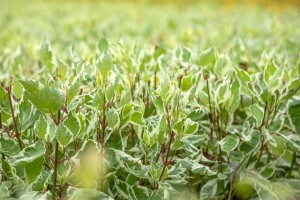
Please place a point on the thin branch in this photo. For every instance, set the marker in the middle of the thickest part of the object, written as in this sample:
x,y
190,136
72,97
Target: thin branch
x,y
167,155
13,117
210,110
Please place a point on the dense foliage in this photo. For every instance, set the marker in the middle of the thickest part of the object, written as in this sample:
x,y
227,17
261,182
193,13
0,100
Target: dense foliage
x,y
128,101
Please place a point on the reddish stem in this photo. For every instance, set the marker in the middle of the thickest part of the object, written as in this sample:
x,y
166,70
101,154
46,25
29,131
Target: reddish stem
x,y
13,117
166,163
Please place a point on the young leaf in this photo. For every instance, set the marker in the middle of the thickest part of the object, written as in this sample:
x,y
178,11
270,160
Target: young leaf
x,y
186,83
222,65
40,127
73,124
257,112
164,87
136,118
63,135
110,91
99,99
46,55
73,90
190,126
163,125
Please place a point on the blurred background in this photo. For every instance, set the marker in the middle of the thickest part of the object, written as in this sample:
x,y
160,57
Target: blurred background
x,y
254,25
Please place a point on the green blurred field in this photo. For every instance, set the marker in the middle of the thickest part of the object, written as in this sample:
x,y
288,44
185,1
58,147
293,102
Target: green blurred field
x,y
196,25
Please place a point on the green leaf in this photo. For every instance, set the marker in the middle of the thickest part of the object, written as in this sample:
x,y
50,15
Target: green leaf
x,y
136,118
17,89
105,66
267,171
7,169
51,99
294,110
222,65
187,83
269,71
164,87
127,110
262,186
149,138
125,99
280,148
73,124
163,125
223,93
31,86
63,135
47,100
186,55
293,141
229,143
99,100
242,75
122,188
131,164
164,175
40,127
178,127
269,138
140,192
157,101
234,98
257,112
190,126
31,195
209,190
159,50
251,144
178,144
4,105
102,45
46,55
41,181
26,116
244,189
154,171
113,119
29,154
9,147
73,90
4,189
110,91
33,169
196,114
62,70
